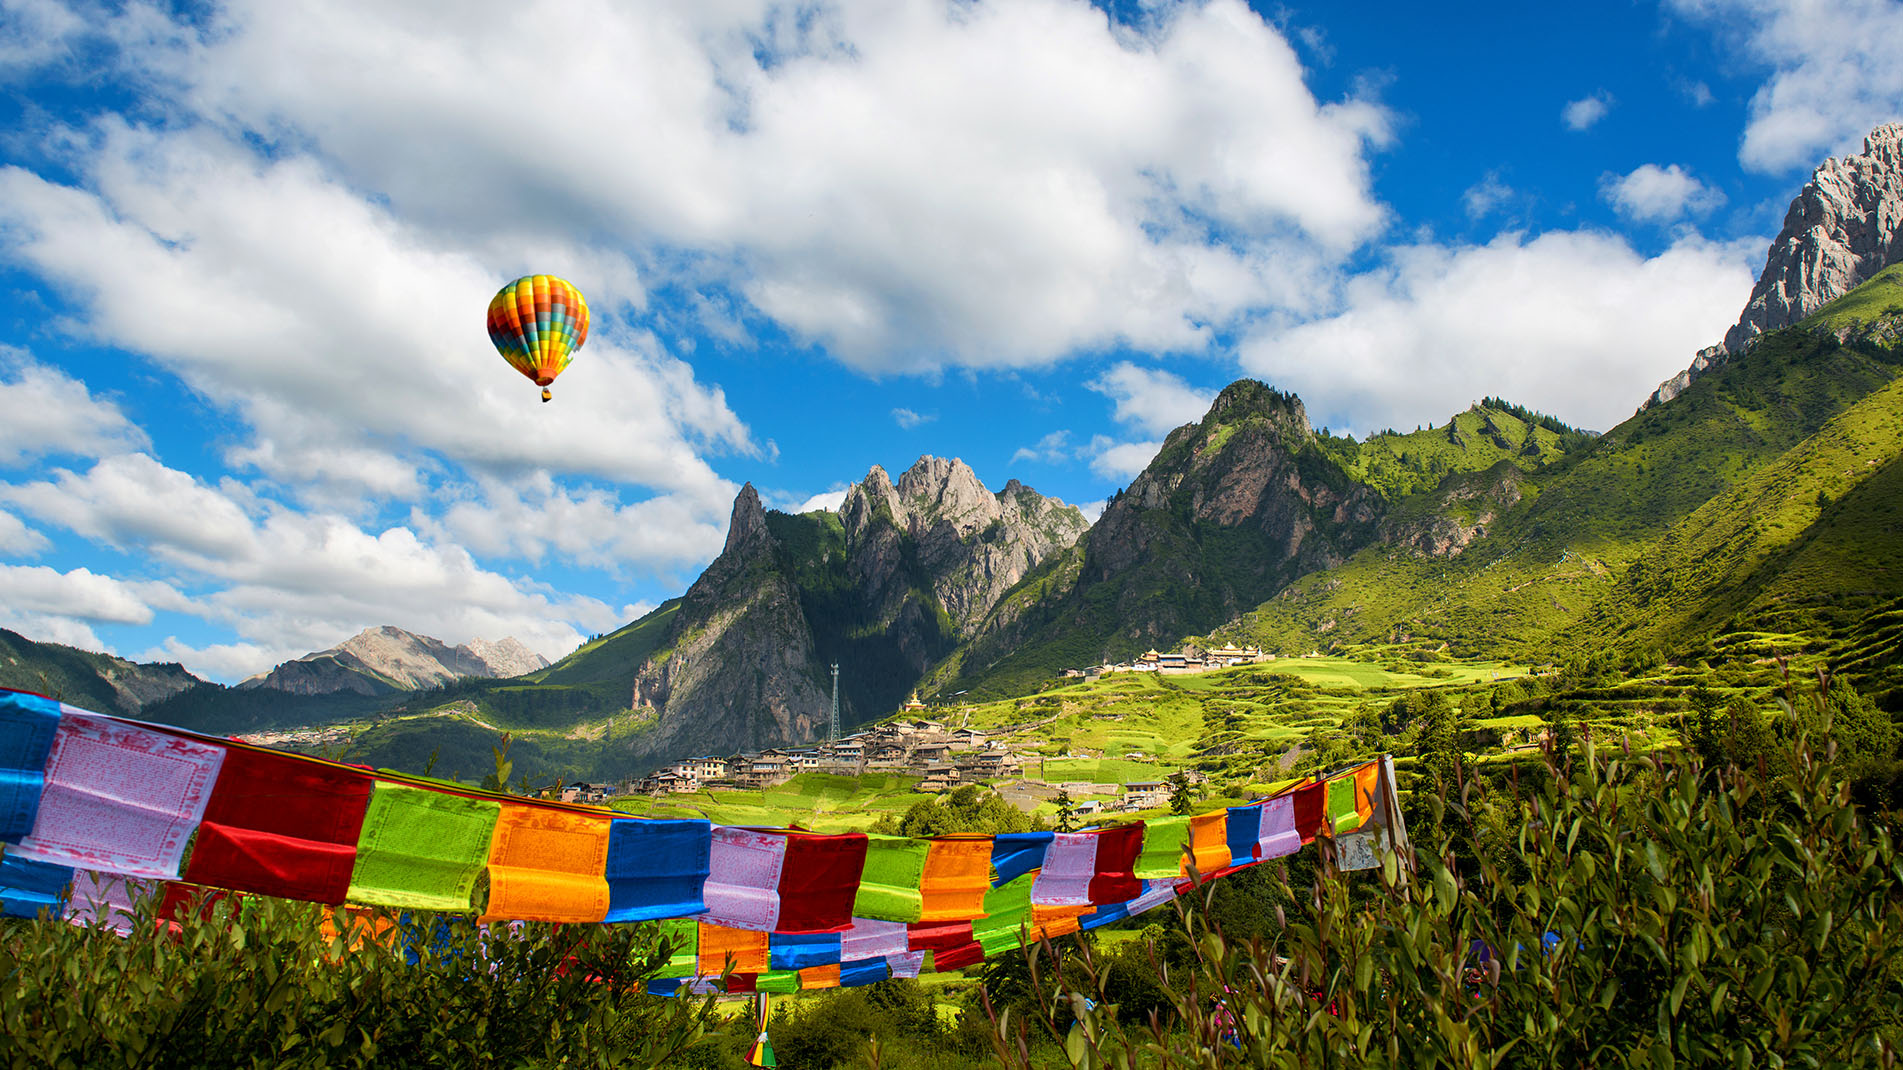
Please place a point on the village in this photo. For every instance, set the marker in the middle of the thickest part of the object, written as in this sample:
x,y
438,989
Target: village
x,y
942,757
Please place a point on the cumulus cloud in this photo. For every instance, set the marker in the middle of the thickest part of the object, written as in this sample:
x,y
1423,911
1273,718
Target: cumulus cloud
x,y
910,184
908,419
1151,401
1120,460
18,540
83,595
829,500
347,339
1583,113
49,413
280,578
1053,448
1654,194
1485,197
534,517
1576,323
1836,72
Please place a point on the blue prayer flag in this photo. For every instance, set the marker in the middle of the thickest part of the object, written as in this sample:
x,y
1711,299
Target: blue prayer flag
x,y
862,972
28,887
1013,854
27,724
657,869
799,951
1245,828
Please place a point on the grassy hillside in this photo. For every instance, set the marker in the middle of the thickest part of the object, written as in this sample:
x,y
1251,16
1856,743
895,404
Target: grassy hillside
x,y
85,679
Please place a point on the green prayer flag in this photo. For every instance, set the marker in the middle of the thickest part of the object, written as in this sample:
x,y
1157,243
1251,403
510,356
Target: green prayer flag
x,y
685,934
1163,841
778,981
1007,914
421,849
1342,815
889,885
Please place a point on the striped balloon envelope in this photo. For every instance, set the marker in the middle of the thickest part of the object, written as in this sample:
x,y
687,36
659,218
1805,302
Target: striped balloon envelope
x,y
537,323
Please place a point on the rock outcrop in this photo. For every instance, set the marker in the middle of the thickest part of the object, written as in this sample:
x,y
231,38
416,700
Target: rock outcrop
x,y
886,586
1845,225
387,659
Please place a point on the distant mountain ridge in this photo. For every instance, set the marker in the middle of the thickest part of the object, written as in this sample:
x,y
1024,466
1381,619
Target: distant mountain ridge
x,y
387,659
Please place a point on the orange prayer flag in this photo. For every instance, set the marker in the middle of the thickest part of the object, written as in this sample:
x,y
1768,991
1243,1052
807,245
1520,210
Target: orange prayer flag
x,y
1367,789
820,976
957,876
748,948
548,864
1208,842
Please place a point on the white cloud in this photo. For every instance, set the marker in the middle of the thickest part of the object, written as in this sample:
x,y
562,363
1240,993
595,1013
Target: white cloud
x,y
1053,448
533,517
1697,92
52,628
83,595
281,579
1584,112
34,33
19,540
220,661
1484,197
906,182
1836,73
352,343
1093,510
1576,323
1654,194
828,500
1120,460
908,419
49,413
1154,402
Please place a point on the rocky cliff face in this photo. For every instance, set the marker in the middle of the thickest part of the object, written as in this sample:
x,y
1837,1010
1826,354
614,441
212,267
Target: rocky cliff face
x,y
382,660
1231,510
885,587
1845,225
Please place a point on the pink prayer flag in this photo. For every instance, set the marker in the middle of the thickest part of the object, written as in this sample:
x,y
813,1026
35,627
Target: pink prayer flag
x,y
1069,864
120,798
869,939
743,879
906,965
1155,894
106,900
1278,836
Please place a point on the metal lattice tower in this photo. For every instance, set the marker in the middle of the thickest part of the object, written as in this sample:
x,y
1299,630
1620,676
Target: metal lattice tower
x,y
834,735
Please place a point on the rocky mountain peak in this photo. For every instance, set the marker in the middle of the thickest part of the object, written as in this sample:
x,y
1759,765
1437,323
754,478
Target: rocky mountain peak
x,y
938,490
747,527
387,658
1843,227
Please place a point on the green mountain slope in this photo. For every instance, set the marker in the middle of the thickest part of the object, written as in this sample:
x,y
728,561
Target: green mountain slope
x,y
91,681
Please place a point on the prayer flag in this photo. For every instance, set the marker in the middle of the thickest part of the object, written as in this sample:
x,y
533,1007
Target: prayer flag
x,y
889,886
1007,915
748,948
791,951
761,1054
119,798
657,869
1115,880
969,953
869,938
1055,921
29,888
106,900
420,848
907,964
548,864
1367,789
1342,816
819,880
776,981
1154,895
826,976
957,875
28,723
1104,915
1278,837
1014,854
743,879
1310,801
280,825
1244,829
863,972
683,936
935,935
1070,864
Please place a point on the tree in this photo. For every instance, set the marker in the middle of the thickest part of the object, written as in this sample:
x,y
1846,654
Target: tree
x,y
1066,813
1182,797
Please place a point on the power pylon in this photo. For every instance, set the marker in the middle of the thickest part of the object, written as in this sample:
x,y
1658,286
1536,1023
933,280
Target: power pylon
x,y
834,734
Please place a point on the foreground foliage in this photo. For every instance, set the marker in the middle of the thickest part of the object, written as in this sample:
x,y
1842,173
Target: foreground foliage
x,y
1649,911
268,988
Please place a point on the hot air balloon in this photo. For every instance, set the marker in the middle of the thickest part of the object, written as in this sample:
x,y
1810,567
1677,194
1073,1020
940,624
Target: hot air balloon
x,y
537,322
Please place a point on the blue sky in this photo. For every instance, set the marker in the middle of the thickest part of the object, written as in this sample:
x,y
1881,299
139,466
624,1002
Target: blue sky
x,y
246,248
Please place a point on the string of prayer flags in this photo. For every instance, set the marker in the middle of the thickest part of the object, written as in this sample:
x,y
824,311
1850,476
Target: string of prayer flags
x,y
118,797
1013,854
957,875
29,889
27,725
421,849
548,864
280,825
657,868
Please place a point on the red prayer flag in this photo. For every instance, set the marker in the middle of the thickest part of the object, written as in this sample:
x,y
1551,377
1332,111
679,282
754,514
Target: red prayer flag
x,y
818,882
280,825
1311,805
937,936
969,953
1117,851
